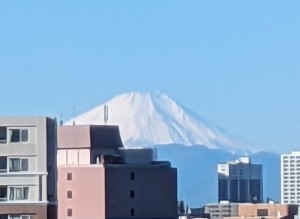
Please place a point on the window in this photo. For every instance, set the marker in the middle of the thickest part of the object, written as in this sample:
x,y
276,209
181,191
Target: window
x,y
69,212
262,212
18,135
132,212
132,175
3,135
18,193
131,194
18,164
19,216
69,194
69,176
3,193
3,164
24,135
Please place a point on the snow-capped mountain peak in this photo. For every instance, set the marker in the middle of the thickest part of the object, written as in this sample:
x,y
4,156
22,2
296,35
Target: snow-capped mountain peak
x,y
148,119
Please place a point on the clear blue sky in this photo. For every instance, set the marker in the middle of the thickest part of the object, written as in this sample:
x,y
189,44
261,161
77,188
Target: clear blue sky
x,y
236,63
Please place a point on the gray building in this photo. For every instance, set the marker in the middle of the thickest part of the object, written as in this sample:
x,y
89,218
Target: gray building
x,y
222,209
27,168
240,181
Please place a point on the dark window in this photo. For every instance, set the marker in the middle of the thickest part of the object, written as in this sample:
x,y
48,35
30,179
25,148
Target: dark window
x,y
18,135
3,216
3,164
69,194
132,212
262,212
3,135
3,193
131,194
69,176
132,175
69,212
15,135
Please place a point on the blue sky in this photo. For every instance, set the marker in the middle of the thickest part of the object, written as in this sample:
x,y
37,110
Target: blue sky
x,y
235,63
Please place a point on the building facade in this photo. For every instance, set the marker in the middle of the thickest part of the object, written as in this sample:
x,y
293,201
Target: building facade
x,y
240,181
290,178
221,210
98,178
227,210
27,168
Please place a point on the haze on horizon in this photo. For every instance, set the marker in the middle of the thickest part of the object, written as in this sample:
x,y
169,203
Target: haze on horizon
x,y
234,63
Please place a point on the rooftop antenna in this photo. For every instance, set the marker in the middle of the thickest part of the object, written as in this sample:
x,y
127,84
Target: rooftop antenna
x,y
61,121
73,114
105,113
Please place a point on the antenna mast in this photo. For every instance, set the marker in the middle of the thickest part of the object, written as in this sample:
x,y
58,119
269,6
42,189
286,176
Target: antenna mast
x,y
73,114
105,114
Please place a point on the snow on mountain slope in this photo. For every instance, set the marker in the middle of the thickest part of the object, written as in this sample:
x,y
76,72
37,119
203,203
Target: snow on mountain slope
x,y
148,119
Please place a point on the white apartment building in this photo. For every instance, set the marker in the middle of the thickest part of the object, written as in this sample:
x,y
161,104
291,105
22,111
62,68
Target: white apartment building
x,y
290,178
27,167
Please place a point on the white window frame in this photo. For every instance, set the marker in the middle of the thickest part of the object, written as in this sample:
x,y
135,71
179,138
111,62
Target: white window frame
x,y
20,164
9,135
19,216
15,193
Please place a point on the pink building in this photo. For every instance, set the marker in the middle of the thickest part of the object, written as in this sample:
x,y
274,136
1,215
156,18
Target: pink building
x,y
99,179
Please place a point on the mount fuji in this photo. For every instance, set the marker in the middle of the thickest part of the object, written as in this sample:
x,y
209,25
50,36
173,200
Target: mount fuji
x,y
147,119
193,144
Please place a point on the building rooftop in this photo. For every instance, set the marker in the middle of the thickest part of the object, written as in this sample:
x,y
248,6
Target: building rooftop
x,y
89,136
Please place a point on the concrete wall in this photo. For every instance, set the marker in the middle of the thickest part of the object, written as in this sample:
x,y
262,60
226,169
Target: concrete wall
x,y
77,136
88,193
154,188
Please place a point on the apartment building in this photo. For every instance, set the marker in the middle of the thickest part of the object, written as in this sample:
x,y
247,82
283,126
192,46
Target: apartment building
x,y
240,181
98,178
290,178
27,168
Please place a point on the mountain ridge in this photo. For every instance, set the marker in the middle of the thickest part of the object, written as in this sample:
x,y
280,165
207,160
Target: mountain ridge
x,y
147,119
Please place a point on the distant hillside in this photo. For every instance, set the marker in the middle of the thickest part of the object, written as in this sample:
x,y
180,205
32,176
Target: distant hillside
x,y
193,144
197,170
